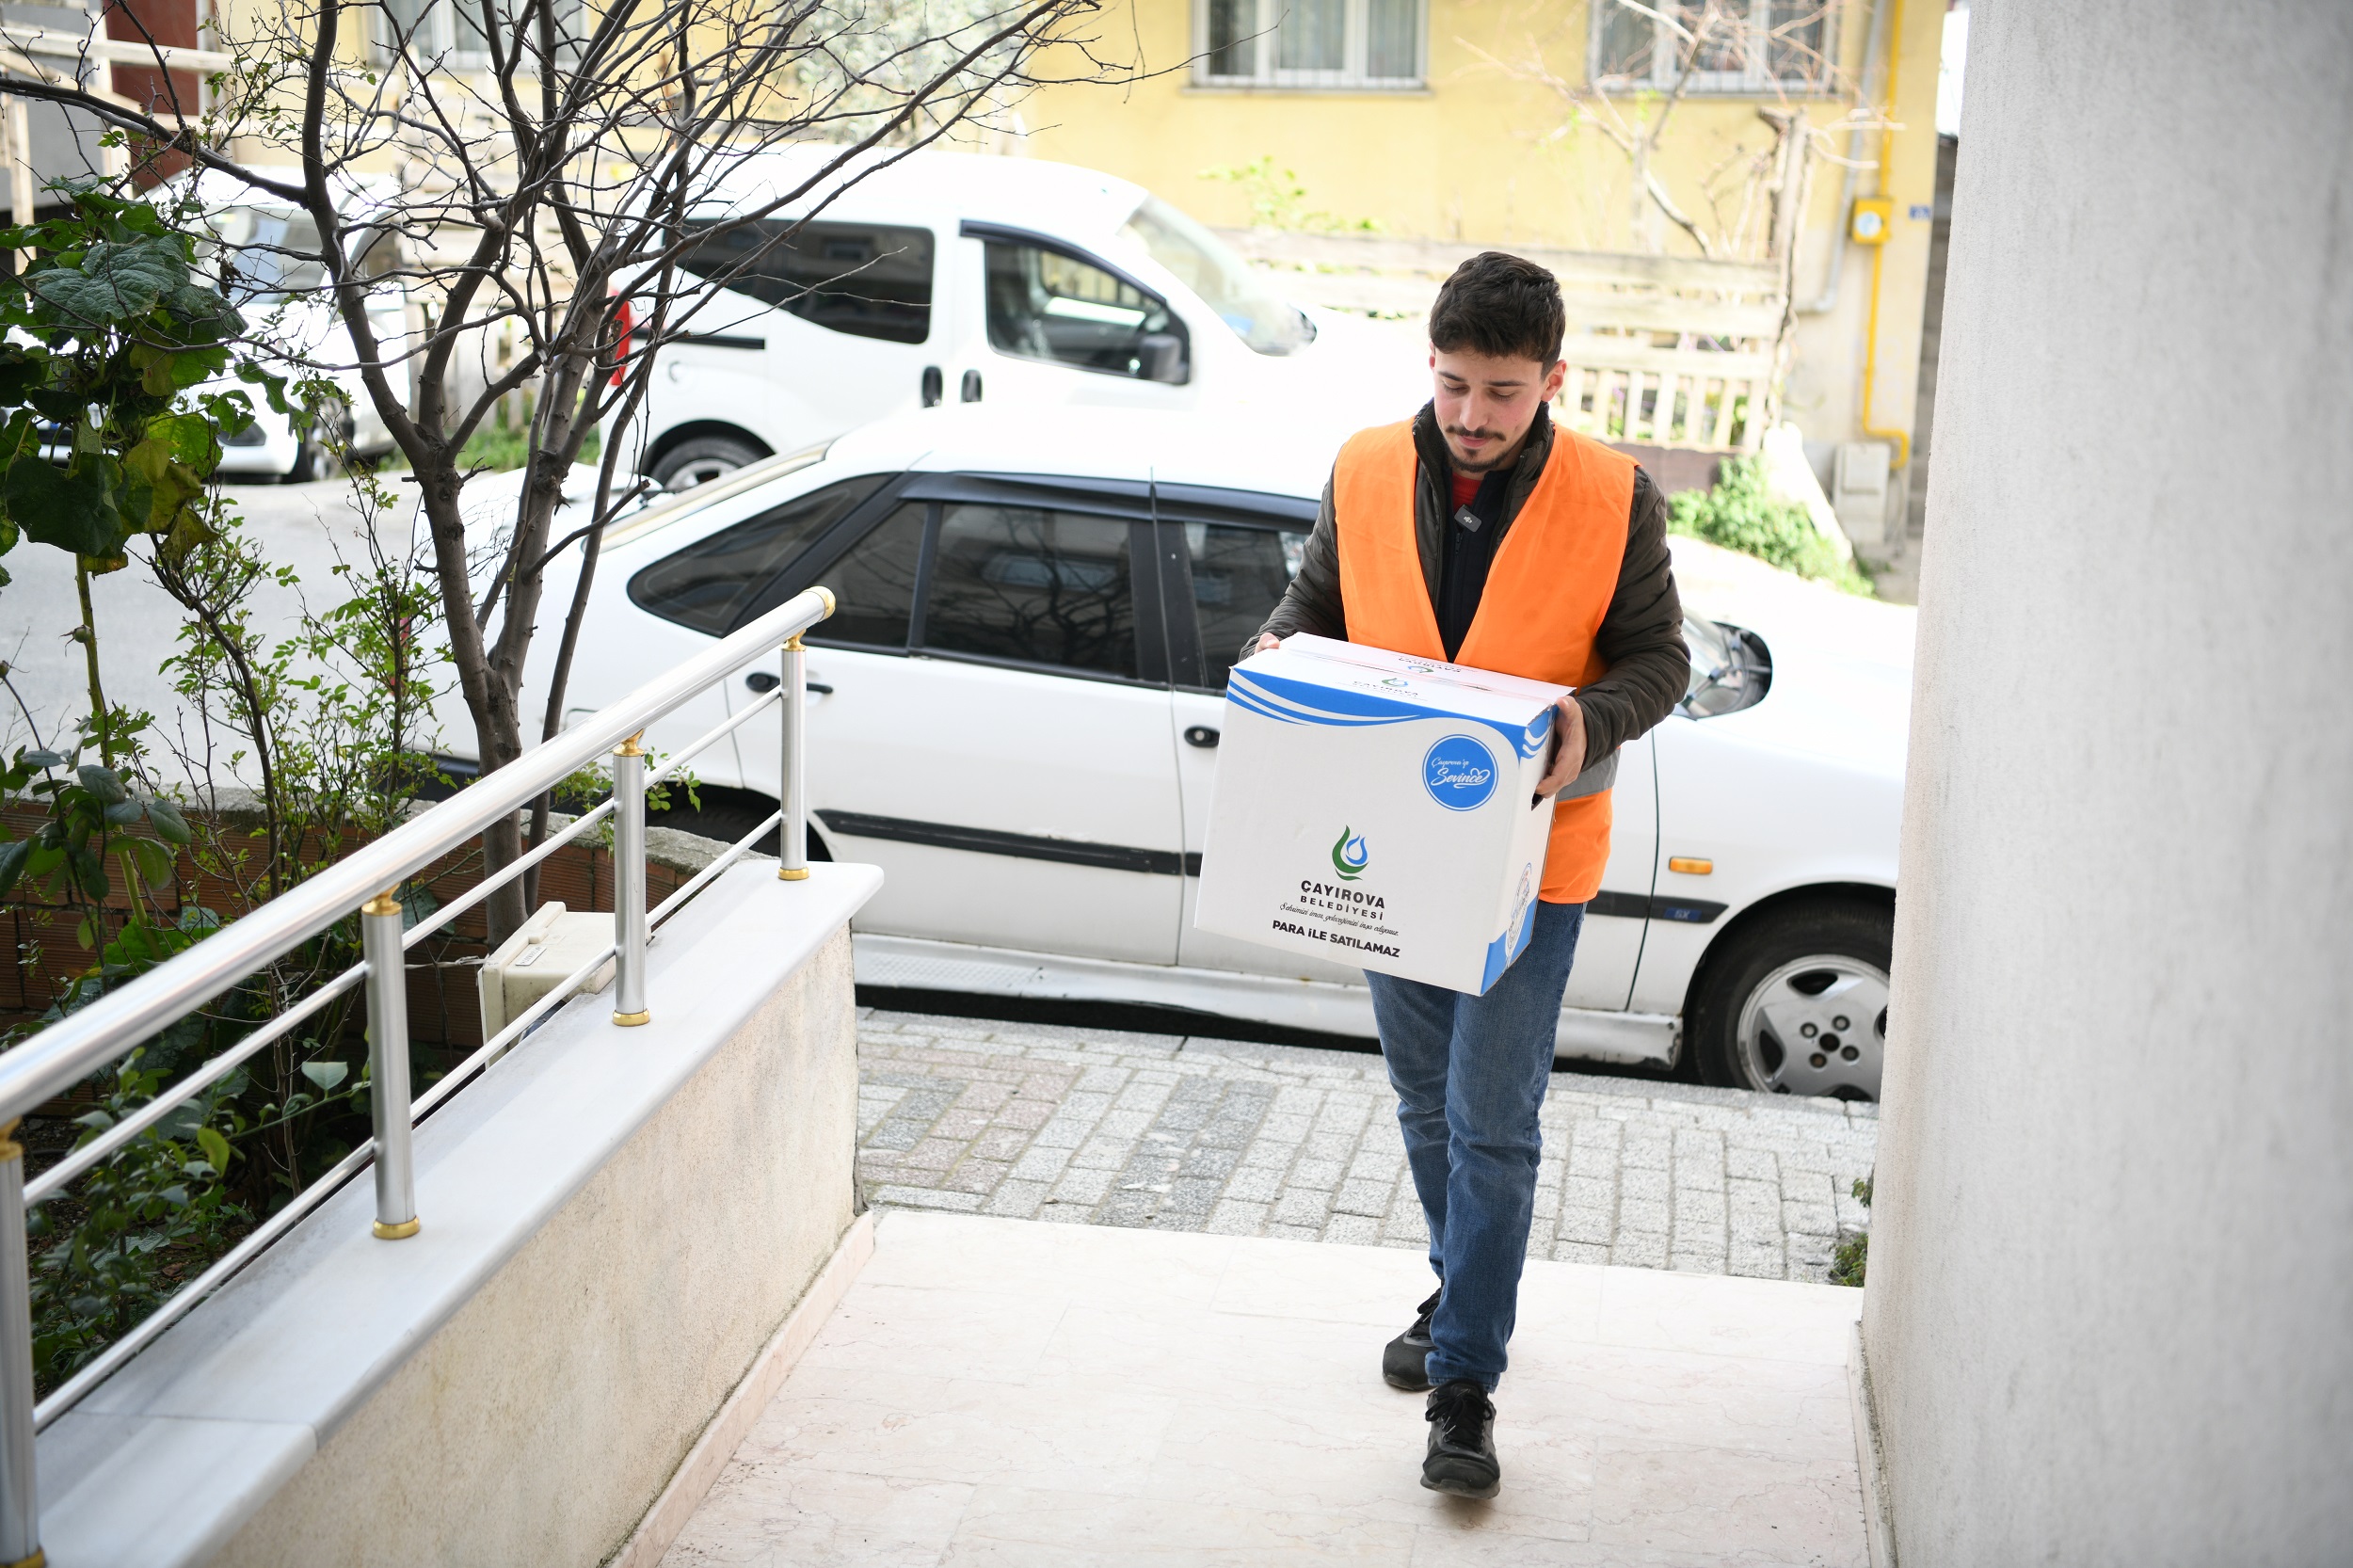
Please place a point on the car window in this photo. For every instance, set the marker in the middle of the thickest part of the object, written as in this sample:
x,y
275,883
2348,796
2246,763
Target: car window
x,y
263,257
1045,587
1239,575
1044,305
707,585
873,583
868,279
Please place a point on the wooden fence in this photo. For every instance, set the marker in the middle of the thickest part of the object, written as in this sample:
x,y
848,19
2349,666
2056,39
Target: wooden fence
x,y
1664,350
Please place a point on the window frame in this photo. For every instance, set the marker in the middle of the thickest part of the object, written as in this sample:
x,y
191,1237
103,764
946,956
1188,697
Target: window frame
x,y
1173,506
1265,73
819,228
1006,233
759,602
436,44
1753,81
1123,501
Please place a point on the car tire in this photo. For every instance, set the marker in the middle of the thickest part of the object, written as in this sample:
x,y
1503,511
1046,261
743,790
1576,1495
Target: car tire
x,y
701,459
1796,1001
309,458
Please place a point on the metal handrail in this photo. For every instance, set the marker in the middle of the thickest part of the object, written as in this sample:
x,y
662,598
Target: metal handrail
x,y
73,1049
78,1046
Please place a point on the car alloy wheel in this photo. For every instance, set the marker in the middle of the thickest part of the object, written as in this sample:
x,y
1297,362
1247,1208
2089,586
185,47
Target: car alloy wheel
x,y
701,459
1816,1025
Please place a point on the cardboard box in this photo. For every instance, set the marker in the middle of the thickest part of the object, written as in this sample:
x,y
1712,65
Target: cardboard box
x,y
1379,809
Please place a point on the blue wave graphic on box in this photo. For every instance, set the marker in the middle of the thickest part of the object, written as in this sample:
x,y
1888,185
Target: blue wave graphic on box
x,y
1504,950
1291,701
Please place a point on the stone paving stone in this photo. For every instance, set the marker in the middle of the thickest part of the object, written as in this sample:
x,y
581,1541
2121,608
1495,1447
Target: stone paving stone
x,y
1639,1249
1232,1217
1077,1126
1322,1174
1018,1200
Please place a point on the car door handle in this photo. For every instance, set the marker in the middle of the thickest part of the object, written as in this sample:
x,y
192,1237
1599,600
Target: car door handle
x,y
763,682
1201,735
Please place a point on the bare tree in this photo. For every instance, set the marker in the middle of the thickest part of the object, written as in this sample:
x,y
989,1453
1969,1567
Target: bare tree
x,y
550,193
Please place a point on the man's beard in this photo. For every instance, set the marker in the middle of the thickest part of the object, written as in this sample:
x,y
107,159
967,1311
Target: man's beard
x,y
1503,450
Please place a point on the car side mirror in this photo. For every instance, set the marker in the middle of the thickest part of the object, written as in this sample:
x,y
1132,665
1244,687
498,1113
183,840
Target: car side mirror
x,y
1161,357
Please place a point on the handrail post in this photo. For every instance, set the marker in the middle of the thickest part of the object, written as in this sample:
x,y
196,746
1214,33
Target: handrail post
x,y
388,1067
20,1505
793,833
628,881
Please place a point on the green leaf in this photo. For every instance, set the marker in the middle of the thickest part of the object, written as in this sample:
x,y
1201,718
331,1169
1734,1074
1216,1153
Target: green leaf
x,y
123,813
215,1147
74,510
326,1074
417,903
155,864
12,858
103,782
169,823
41,760
114,283
90,871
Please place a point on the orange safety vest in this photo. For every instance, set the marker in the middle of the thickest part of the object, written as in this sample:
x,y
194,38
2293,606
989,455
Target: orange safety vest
x,y
1547,592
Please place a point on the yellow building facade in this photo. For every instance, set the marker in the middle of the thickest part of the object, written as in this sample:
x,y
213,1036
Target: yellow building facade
x,y
1486,121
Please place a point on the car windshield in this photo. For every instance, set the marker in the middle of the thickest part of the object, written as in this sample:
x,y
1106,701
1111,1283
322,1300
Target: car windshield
x,y
266,256
1201,261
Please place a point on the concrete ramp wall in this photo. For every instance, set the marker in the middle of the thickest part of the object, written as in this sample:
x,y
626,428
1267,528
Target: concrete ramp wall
x,y
615,1222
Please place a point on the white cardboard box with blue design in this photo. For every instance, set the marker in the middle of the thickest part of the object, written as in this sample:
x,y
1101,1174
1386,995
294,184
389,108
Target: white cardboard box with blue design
x,y
1379,809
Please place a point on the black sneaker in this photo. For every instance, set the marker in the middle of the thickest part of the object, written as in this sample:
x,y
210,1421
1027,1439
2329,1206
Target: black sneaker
x,y
1462,1457
1402,1361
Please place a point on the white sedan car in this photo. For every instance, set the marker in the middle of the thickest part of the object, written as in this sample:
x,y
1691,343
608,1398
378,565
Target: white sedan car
x,y
1016,713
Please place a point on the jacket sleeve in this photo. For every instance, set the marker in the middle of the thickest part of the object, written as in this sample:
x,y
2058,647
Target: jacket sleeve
x,y
1641,636
1312,603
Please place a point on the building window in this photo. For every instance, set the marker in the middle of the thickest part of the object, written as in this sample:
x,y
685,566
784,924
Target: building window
x,y
447,34
1746,46
1308,43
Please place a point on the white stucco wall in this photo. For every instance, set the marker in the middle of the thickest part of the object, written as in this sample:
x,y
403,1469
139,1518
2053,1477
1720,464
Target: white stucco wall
x,y
2111,1311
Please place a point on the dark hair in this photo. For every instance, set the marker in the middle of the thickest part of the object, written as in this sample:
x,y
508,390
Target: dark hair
x,y
1502,306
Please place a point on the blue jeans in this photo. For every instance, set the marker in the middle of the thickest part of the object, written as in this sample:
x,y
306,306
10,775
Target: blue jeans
x,y
1470,1073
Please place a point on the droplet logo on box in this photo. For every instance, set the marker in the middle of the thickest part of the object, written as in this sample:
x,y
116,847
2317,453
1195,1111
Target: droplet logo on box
x,y
1350,856
1460,773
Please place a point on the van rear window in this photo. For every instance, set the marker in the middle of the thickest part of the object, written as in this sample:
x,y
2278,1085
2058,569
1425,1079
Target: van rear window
x,y
868,279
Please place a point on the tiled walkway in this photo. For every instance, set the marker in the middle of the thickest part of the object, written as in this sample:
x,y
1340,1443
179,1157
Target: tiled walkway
x,y
1015,1395
1168,1132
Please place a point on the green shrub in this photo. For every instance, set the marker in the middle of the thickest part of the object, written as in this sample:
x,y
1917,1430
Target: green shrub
x,y
1851,1260
1739,514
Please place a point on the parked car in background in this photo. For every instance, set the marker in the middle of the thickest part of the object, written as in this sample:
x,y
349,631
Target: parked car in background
x,y
1016,709
266,257
952,277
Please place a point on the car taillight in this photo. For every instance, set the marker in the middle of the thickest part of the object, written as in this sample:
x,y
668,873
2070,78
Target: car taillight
x,y
627,320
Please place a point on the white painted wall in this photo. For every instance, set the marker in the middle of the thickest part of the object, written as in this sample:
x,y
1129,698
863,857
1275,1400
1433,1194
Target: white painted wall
x,y
2110,1315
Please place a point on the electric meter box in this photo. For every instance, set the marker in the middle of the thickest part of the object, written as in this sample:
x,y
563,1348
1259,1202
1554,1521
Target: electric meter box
x,y
1379,809
539,957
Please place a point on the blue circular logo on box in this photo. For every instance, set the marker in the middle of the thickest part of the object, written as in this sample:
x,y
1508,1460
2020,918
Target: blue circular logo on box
x,y
1459,773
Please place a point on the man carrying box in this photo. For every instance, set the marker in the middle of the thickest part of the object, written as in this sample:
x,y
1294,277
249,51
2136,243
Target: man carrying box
x,y
1481,535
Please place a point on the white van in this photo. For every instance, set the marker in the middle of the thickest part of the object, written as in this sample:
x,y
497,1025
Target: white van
x,y
265,257
964,277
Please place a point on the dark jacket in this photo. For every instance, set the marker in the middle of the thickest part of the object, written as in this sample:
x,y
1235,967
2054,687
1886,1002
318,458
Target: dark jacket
x,y
1641,636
